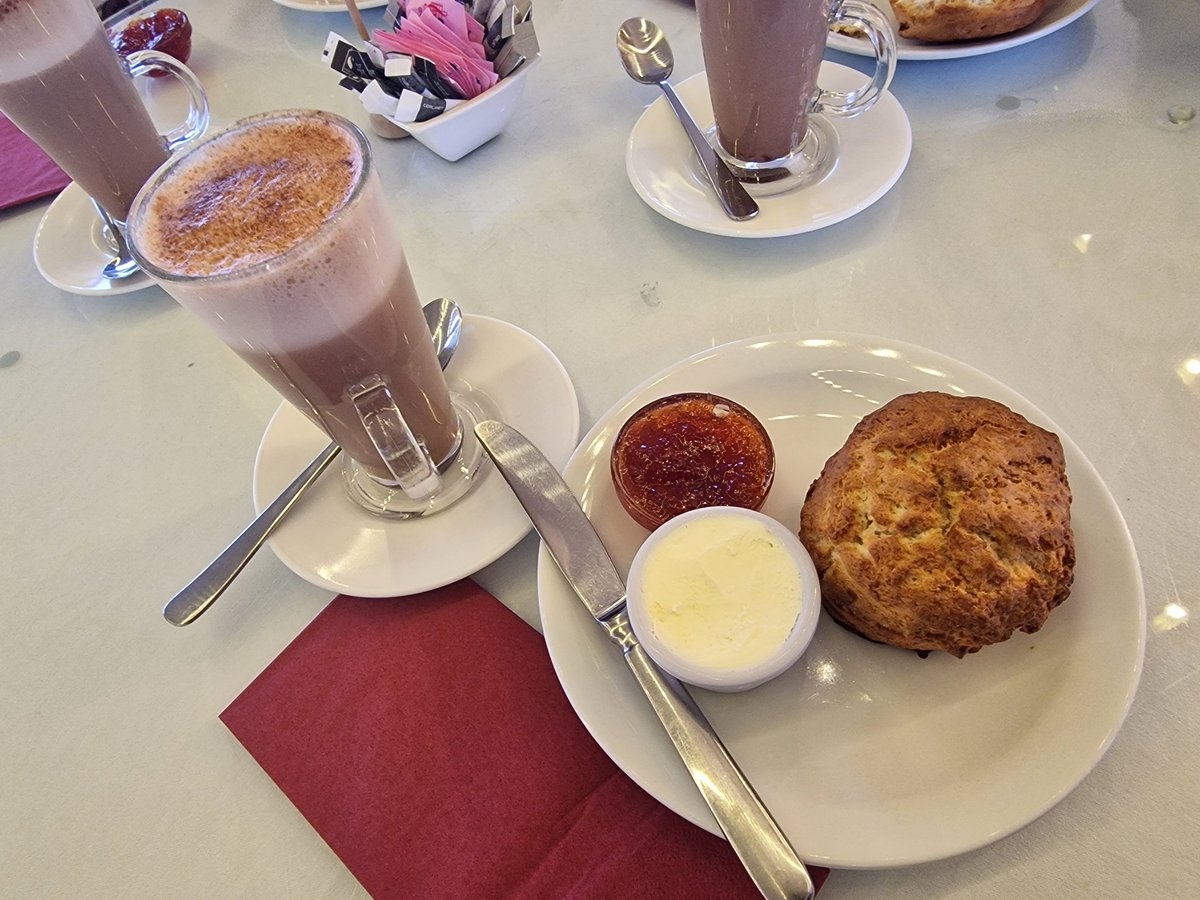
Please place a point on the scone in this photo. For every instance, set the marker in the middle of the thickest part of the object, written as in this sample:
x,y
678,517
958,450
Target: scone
x,y
961,20
943,523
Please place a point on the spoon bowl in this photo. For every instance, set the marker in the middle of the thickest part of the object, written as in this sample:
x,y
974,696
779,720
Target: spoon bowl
x,y
444,318
645,51
123,264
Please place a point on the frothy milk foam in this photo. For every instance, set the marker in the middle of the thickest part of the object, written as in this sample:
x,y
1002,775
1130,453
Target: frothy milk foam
x,y
259,231
255,195
41,41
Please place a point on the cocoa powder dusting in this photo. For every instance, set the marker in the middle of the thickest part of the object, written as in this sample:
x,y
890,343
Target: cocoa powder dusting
x,y
249,196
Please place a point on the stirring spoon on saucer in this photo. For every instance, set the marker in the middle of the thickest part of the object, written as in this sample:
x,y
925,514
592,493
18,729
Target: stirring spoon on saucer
x,y
445,326
647,58
123,264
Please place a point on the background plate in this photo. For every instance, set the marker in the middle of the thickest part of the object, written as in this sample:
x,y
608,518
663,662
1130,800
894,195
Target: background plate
x,y
328,5
1059,14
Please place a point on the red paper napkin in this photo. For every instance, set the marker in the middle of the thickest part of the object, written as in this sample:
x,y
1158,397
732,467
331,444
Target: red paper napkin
x,y
428,741
27,172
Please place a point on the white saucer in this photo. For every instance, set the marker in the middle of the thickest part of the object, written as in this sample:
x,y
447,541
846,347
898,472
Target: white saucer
x,y
70,252
874,149
331,542
1058,14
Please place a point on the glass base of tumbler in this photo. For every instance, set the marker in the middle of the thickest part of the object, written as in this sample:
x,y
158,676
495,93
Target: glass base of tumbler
x,y
459,473
811,162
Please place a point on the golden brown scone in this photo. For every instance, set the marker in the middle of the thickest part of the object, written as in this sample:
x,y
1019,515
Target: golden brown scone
x,y
943,523
962,20
847,29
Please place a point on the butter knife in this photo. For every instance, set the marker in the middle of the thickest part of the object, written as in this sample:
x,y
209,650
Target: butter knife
x,y
577,550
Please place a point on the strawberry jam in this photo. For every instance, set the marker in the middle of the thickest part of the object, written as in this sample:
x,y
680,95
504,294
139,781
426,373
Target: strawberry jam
x,y
166,30
689,451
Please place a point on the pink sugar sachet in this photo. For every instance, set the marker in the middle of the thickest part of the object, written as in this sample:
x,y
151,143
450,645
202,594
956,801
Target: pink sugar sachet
x,y
443,34
27,172
450,64
454,17
428,741
424,23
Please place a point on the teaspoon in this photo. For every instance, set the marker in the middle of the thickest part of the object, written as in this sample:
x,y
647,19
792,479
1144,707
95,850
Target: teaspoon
x,y
647,58
445,326
123,264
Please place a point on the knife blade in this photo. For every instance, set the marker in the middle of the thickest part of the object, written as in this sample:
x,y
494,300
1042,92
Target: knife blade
x,y
579,553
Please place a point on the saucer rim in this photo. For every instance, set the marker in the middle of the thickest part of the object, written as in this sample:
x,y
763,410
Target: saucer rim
x,y
68,204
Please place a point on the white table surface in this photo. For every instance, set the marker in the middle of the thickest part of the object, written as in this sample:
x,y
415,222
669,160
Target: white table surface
x,y
1046,231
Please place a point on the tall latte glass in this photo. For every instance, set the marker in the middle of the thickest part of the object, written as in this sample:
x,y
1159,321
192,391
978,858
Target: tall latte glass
x,y
762,58
277,233
62,84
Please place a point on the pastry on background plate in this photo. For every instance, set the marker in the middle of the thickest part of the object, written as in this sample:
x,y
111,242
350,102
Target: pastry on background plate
x,y
962,20
943,523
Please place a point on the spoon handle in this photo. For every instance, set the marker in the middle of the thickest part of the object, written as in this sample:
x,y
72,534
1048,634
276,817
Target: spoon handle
x,y
187,606
738,204
123,264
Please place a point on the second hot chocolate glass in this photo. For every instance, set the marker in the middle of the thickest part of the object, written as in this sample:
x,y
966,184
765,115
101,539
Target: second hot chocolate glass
x,y
277,233
62,83
762,59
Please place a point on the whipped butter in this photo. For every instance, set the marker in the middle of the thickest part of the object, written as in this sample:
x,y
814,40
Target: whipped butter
x,y
721,590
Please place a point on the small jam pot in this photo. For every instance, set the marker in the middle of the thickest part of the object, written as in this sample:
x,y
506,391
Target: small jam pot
x,y
723,598
166,30
689,451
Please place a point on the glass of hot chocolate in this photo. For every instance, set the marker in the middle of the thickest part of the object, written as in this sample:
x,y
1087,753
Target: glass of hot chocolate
x,y
62,84
277,233
762,58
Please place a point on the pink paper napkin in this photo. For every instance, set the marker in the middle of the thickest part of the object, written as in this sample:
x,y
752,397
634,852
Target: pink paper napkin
x,y
27,172
429,742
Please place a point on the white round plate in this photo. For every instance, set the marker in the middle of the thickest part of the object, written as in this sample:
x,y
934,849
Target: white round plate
x,y
662,166
1059,14
69,248
328,5
333,543
868,756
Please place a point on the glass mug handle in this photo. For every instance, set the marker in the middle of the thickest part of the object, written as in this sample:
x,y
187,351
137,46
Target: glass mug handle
x,y
144,62
871,20
405,457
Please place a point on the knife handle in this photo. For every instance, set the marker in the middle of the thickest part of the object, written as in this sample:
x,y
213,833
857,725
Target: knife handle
x,y
760,845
